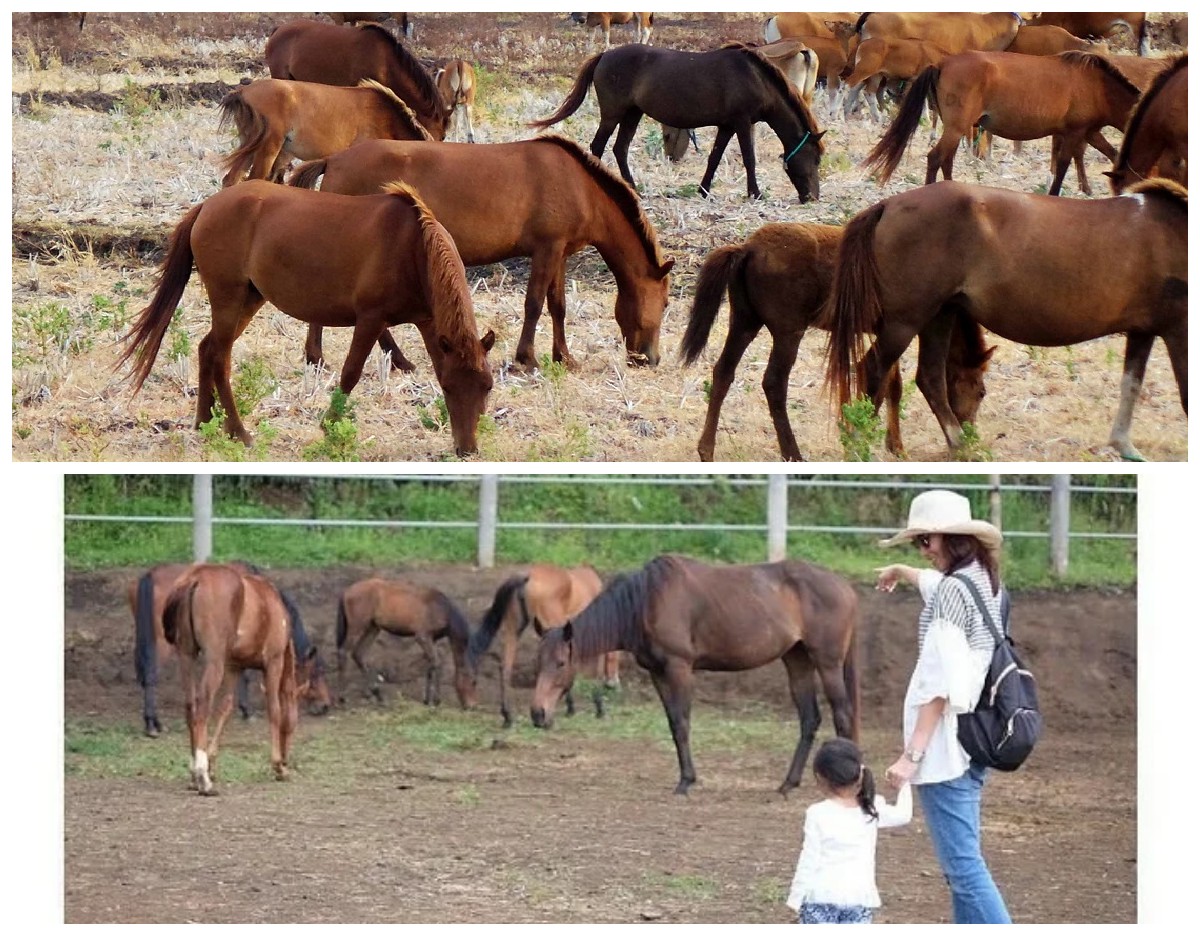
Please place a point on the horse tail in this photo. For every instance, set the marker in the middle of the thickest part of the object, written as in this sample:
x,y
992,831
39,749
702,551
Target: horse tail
x,y
146,335
850,678
482,638
854,304
886,155
717,273
251,128
145,651
575,98
306,174
343,625
300,639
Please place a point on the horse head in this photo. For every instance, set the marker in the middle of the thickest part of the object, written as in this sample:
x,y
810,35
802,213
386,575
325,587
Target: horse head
x,y
639,310
555,673
466,381
310,683
965,386
801,165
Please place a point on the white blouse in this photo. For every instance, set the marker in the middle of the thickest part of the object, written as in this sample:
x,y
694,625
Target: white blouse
x,y
837,858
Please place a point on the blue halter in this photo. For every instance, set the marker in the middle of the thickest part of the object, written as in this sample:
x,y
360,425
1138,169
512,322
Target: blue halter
x,y
799,146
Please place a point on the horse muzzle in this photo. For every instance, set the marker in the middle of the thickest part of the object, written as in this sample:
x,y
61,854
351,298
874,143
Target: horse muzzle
x,y
539,718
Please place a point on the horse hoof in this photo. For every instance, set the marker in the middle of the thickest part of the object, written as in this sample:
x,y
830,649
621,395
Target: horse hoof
x,y
211,791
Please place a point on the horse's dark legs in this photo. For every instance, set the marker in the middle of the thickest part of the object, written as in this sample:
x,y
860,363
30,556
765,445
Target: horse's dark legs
x,y
628,128
893,389
724,135
674,685
508,656
556,305
775,385
357,653
934,348
433,670
314,355
745,135
942,156
243,693
1062,151
803,688
743,328
1137,353
605,130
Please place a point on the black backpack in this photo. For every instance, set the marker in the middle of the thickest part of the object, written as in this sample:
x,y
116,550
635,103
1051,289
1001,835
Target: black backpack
x,y
1006,723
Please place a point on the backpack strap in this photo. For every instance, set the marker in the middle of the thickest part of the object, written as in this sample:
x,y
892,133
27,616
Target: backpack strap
x,y
983,609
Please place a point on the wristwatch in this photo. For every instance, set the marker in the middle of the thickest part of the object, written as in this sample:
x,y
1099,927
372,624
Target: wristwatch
x,y
915,756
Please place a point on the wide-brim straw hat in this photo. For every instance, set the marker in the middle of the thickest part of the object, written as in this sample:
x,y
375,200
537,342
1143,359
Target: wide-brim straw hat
x,y
944,512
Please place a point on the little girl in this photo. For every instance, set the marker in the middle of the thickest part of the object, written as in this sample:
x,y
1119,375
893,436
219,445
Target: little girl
x,y
835,876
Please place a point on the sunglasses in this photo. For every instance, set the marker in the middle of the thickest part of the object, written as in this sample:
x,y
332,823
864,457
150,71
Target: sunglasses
x,y
922,541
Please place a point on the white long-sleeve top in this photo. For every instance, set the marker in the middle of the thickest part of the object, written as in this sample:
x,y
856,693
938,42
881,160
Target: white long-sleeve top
x,y
837,857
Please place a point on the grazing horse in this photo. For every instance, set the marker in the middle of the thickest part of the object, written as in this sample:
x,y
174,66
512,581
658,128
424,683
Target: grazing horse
x,y
222,619
1098,25
309,50
278,120
876,61
954,32
148,595
803,25
603,24
780,277
545,596
456,83
1024,267
377,605
731,89
677,615
1070,97
325,259
543,198
1155,141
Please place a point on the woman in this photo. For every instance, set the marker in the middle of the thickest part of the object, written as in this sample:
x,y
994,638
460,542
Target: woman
x,y
954,649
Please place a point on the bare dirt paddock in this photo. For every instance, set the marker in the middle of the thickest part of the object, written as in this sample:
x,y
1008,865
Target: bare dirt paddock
x,y
110,149
566,827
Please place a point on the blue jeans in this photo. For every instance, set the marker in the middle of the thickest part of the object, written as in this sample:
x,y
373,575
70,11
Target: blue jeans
x,y
952,814
833,913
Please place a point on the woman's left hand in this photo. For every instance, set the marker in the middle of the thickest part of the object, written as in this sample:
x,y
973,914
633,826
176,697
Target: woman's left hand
x,y
900,772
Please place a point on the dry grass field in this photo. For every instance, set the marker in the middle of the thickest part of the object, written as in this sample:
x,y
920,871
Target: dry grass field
x,y
114,135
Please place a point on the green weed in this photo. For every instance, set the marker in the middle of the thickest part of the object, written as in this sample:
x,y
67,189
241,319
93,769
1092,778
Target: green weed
x,y
971,447
860,430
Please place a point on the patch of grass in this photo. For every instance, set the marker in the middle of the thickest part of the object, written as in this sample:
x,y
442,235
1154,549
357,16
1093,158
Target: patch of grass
x,y
860,430
339,442
253,381
220,446
553,371
971,447
691,886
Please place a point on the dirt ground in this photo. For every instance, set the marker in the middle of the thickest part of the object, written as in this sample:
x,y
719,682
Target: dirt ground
x,y
582,830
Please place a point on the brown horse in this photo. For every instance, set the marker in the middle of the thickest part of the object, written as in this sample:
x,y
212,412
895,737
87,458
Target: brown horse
x,y
1070,97
677,615
279,120
1098,25
148,595
877,61
327,259
604,22
543,198
456,84
545,596
954,32
780,277
222,620
1155,142
731,89
377,605
801,25
309,50
1023,266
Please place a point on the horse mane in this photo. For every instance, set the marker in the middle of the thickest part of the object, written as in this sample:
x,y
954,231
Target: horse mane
x,y
483,637
1095,60
616,617
1160,187
1143,105
783,85
620,191
431,98
407,115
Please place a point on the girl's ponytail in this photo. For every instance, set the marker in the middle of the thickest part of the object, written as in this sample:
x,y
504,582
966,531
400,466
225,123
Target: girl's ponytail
x,y
866,793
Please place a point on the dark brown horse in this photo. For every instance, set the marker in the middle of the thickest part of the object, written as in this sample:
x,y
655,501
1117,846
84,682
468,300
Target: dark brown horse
x,y
223,620
545,199
148,595
545,596
731,89
278,121
780,277
1069,97
377,605
1155,142
309,50
1036,270
326,259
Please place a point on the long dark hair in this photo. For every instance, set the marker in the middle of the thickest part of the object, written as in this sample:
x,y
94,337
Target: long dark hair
x,y
962,550
839,763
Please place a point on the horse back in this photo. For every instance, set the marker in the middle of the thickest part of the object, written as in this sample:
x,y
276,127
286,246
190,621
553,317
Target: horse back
x,y
310,50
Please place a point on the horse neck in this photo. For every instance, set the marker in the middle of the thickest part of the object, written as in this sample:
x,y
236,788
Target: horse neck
x,y
788,125
622,248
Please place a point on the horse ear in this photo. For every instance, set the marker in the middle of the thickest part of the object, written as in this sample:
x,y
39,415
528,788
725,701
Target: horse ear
x,y
987,355
666,267
488,340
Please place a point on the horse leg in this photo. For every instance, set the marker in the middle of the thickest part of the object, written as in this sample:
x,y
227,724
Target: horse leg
x,y
625,132
210,680
273,686
743,329
360,648
745,135
674,685
433,670
315,356
934,347
1137,353
893,387
508,656
243,694
942,156
803,688
724,134
367,331
775,386
223,708
1062,149
556,304
540,277
608,123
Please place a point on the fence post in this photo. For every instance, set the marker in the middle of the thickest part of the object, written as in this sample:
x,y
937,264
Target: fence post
x,y
1060,523
202,516
487,521
777,488
994,505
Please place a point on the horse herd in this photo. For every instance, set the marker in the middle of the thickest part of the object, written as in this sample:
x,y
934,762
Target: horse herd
x,y
387,238
674,616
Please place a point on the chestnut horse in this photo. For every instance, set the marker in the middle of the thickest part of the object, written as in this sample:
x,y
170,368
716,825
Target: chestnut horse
x,y
543,198
545,596
1098,25
309,50
780,277
279,120
326,259
377,605
223,619
456,84
1155,142
1023,266
1070,96
954,32
604,22
677,615
730,88
146,599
